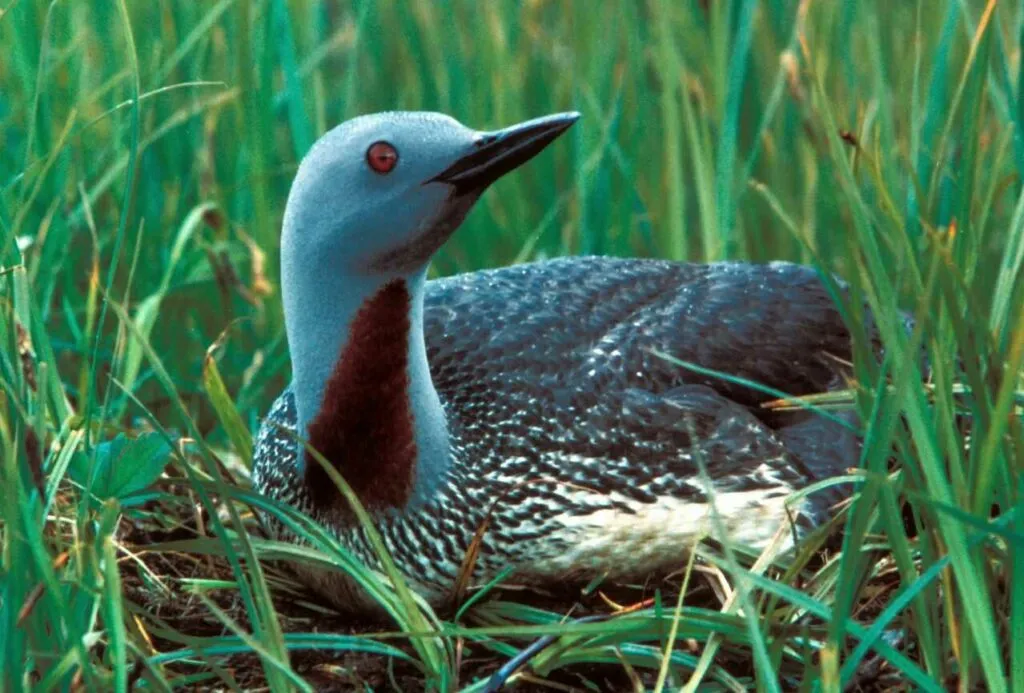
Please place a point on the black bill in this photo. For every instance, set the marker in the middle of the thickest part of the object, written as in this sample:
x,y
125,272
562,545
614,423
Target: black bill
x,y
497,153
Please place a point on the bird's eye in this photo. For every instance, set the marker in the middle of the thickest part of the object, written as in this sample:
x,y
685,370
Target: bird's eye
x,y
382,157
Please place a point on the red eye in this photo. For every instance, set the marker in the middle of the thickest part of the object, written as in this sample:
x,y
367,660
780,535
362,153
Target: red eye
x,y
382,157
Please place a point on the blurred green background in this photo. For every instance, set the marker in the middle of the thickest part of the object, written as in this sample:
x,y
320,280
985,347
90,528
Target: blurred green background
x,y
684,105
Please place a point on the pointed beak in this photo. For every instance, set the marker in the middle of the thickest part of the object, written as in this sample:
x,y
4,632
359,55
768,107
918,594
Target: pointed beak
x,y
496,153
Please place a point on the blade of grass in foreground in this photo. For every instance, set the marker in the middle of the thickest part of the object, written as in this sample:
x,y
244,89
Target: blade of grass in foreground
x,y
432,651
670,114
126,207
253,591
222,403
767,677
113,611
972,589
148,309
727,140
295,642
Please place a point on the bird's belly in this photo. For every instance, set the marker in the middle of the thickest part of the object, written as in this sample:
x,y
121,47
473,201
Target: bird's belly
x,y
657,536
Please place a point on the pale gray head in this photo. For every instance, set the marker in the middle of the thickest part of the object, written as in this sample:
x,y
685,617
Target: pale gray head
x,y
381,193
371,203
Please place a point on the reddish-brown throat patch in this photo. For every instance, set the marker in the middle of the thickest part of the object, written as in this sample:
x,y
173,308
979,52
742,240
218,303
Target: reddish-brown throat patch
x,y
365,423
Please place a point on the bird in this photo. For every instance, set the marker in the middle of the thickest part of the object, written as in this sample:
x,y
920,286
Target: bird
x,y
529,412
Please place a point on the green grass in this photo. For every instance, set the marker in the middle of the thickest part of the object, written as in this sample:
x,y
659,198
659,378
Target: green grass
x,y
146,151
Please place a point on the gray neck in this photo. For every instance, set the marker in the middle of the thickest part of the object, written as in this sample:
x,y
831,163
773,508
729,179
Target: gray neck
x,y
319,306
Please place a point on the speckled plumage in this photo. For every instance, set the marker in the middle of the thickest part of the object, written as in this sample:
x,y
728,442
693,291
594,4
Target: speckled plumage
x,y
581,439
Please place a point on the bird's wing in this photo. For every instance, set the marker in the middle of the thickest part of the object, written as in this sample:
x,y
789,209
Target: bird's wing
x,y
633,451
604,322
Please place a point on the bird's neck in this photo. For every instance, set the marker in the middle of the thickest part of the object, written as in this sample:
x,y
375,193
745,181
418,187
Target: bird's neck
x,y
362,386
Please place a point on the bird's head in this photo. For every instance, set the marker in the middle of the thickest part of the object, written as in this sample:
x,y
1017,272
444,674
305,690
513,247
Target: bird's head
x,y
379,194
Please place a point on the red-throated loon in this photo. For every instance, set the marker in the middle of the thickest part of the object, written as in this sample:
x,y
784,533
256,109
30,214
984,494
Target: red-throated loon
x,y
532,391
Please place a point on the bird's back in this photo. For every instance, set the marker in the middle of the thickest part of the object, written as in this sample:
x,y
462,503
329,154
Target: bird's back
x,y
558,369
579,329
